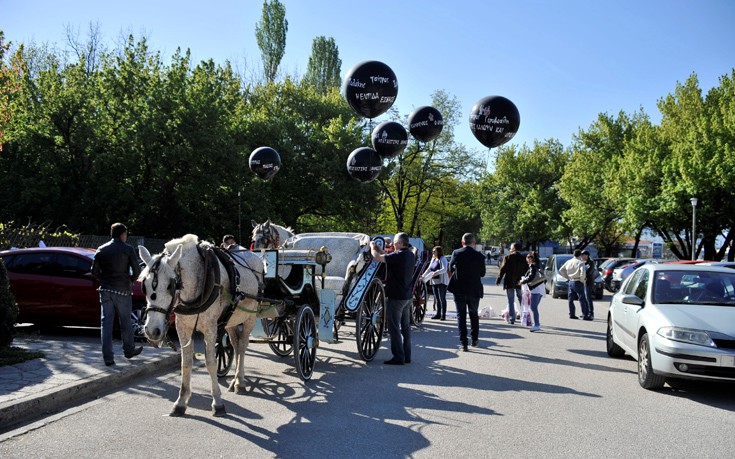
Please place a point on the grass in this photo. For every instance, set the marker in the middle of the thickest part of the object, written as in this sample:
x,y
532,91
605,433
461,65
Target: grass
x,y
12,355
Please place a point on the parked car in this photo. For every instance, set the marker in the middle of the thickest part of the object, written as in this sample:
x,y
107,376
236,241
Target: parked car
x,y
677,321
606,270
724,264
53,286
621,273
557,285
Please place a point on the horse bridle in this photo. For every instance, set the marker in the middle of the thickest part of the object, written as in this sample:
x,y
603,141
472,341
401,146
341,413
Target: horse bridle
x,y
174,286
267,238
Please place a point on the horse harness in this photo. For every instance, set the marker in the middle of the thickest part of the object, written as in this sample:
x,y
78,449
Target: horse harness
x,y
211,256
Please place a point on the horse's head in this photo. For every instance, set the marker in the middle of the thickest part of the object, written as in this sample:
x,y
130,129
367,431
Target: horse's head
x,y
268,235
160,286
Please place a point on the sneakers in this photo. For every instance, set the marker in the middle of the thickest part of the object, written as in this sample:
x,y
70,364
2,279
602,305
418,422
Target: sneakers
x,y
109,363
535,328
136,351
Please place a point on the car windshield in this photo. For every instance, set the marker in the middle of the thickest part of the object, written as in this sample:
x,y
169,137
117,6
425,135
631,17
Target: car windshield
x,y
694,287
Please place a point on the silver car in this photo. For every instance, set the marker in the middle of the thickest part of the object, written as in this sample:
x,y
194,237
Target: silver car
x,y
677,321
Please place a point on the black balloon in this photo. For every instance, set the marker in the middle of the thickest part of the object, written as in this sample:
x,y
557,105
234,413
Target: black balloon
x,y
494,120
425,123
364,164
389,139
370,88
265,162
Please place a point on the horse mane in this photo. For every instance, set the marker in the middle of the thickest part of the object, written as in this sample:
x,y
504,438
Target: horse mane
x,y
186,241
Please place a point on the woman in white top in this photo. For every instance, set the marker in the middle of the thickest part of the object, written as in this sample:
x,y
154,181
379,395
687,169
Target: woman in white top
x,y
537,291
437,276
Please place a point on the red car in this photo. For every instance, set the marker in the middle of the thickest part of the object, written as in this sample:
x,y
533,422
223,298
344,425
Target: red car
x,y
53,286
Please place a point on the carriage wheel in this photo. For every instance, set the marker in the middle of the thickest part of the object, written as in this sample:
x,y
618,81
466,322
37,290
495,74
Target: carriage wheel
x,y
370,321
224,351
305,342
280,333
418,308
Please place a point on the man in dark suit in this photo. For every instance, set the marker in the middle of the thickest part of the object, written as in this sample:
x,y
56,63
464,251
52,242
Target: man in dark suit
x,y
513,268
466,269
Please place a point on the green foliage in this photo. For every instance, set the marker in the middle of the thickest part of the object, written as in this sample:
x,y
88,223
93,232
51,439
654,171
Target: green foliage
x,y
424,186
8,309
521,201
323,69
270,32
30,235
13,355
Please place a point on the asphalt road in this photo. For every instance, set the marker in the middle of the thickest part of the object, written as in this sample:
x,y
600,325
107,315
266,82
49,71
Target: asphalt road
x,y
518,394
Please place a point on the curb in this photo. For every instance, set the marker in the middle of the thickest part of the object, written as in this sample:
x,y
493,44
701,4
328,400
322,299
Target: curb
x,y
18,411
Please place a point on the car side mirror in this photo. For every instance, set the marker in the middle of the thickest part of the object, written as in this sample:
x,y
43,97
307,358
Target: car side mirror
x,y
632,299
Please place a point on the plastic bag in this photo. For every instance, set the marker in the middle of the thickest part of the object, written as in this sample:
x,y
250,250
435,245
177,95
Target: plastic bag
x,y
486,312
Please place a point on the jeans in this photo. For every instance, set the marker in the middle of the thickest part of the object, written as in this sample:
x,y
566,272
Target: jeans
x,y
123,304
440,293
399,327
590,294
535,300
464,304
577,289
511,306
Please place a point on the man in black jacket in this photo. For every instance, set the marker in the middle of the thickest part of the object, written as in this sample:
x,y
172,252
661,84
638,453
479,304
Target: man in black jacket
x,y
466,270
115,266
513,268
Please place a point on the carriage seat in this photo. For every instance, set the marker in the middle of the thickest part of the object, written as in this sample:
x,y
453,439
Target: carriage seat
x,y
346,250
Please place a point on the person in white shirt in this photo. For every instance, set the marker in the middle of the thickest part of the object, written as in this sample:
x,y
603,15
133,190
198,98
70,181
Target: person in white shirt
x,y
575,271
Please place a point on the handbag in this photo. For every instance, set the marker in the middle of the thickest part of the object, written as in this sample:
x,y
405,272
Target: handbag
x,y
538,279
452,283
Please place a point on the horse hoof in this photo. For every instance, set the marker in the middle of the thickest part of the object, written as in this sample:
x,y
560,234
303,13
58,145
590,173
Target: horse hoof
x,y
177,412
219,411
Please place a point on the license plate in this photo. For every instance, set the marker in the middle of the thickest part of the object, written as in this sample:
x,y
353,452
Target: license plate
x,y
727,361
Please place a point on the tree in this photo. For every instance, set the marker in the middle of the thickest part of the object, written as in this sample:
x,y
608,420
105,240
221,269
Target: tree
x,y
270,32
520,198
700,135
323,69
8,309
428,176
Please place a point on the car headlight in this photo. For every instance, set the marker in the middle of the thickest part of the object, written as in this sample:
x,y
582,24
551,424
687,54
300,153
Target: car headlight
x,y
687,335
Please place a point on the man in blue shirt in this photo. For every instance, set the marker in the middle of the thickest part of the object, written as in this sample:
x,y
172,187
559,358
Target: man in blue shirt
x,y
399,290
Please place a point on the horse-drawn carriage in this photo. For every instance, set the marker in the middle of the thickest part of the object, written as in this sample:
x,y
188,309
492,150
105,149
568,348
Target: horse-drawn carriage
x,y
321,279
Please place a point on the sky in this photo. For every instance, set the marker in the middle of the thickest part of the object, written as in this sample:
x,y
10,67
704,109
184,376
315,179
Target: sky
x,y
561,62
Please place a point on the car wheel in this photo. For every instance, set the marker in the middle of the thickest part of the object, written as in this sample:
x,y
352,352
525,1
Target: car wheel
x,y
613,350
554,292
646,377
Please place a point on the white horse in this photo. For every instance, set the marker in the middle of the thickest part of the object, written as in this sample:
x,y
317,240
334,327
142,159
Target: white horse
x,y
181,280
268,235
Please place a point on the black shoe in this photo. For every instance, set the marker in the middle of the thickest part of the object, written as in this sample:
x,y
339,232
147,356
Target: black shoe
x,y
587,318
408,360
443,318
574,317
436,317
474,342
393,361
464,348
512,322
135,352
109,363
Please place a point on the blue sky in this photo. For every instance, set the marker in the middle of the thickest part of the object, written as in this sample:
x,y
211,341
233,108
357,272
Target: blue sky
x,y
561,62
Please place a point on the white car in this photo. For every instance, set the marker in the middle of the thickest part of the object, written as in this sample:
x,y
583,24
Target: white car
x,y
677,321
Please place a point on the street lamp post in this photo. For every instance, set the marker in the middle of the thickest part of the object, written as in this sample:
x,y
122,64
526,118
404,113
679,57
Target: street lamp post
x,y
694,227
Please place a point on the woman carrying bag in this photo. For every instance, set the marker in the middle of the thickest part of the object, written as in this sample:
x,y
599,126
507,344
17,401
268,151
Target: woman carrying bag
x,y
533,281
436,276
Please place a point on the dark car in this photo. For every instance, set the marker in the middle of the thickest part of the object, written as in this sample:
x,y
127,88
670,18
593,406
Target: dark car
x,y
606,270
53,286
559,286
